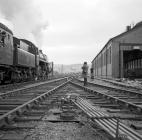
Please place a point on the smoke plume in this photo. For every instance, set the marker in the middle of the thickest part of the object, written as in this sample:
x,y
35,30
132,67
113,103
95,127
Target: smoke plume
x,y
24,18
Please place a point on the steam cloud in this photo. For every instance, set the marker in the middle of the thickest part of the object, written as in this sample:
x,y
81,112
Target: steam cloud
x,y
24,18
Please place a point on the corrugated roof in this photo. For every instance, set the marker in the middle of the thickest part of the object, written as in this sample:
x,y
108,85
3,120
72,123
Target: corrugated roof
x,y
5,28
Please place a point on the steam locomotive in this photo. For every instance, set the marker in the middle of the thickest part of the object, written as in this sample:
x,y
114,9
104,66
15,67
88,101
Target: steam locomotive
x,y
20,59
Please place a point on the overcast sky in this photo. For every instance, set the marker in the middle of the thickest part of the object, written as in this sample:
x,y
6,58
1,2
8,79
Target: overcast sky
x,y
69,31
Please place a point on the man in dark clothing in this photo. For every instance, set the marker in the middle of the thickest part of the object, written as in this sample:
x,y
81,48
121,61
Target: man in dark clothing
x,y
85,72
92,73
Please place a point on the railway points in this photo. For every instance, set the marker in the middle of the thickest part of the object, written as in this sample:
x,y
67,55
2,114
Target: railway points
x,y
67,109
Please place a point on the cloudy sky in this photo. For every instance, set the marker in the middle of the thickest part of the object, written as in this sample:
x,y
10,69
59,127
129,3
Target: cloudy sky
x,y
69,31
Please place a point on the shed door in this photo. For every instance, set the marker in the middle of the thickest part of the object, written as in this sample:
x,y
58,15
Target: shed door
x,y
132,63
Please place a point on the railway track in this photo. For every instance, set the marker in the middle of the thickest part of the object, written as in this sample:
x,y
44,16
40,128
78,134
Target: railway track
x,y
112,107
13,86
109,123
129,97
66,99
14,102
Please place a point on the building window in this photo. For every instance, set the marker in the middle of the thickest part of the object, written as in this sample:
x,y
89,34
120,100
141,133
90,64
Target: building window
x,y
110,55
8,37
2,36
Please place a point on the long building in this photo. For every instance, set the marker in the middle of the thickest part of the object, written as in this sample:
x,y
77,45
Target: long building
x,y
121,57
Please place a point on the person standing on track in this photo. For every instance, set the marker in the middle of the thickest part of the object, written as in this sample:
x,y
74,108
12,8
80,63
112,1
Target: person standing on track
x,y
92,73
85,72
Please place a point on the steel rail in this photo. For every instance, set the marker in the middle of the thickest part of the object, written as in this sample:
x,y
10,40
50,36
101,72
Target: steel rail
x,y
128,104
113,88
109,125
114,121
5,119
86,111
30,86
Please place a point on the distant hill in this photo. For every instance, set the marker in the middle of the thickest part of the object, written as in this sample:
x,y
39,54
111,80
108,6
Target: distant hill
x,y
68,68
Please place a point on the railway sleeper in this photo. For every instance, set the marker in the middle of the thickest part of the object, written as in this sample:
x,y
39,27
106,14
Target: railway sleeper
x,y
18,126
109,106
34,113
10,103
28,118
3,112
7,107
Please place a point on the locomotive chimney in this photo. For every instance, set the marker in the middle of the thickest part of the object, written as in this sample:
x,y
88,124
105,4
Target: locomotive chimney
x,y
40,51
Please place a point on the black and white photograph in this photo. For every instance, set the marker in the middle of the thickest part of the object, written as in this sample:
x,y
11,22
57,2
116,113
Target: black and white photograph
x,y
70,69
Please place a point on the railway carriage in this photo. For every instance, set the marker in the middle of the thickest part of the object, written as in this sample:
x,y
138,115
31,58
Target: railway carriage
x,y
121,57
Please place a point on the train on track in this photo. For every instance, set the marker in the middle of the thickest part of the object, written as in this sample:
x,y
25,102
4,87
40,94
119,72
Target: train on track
x,y
121,57
20,59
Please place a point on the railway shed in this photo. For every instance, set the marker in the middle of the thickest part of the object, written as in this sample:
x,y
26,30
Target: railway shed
x,y
121,57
